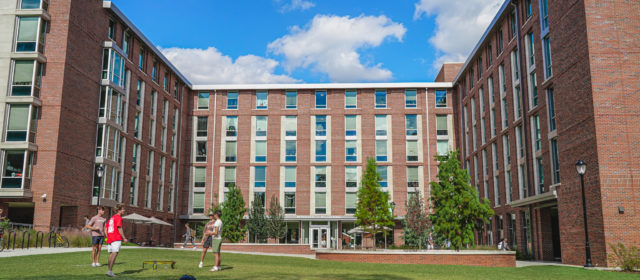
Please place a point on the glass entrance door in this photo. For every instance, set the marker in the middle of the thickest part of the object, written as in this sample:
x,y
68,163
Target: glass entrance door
x,y
320,237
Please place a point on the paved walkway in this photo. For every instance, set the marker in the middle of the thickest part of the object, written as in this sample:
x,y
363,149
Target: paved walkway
x,y
256,253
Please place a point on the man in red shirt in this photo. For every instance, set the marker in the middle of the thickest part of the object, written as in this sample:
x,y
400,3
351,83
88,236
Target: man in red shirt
x,y
115,237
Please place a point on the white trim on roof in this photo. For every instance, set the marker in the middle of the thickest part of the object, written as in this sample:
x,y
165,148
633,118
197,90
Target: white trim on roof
x,y
321,86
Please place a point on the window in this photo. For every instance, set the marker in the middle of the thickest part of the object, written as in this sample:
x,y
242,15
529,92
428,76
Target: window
x,y
321,99
518,104
411,125
350,126
531,49
410,98
291,125
202,126
484,163
229,176
496,191
536,132
441,98
321,150
540,176
351,176
443,147
492,94
139,87
350,99
481,100
519,142
126,43
260,175
489,55
152,132
290,176
34,4
412,150
261,151
232,126
154,71
261,126
514,25
134,156
230,151
382,171
381,98
260,196
111,32
321,176
201,151
494,149
137,126
507,150
381,125
165,81
289,203
544,14
494,130
291,100
203,100
232,100
555,161
132,191
150,163
16,172
500,41
165,111
351,202
441,125
381,150
321,125
113,67
31,33
154,102
141,59
198,202
528,9
27,76
351,150
546,48
107,142
290,150
321,203
503,81
552,110
21,125
509,186
505,114
524,191
262,99
199,177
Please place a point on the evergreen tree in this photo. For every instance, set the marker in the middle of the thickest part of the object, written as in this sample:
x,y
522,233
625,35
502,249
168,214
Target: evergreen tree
x,y
457,210
233,210
373,211
276,227
416,223
257,223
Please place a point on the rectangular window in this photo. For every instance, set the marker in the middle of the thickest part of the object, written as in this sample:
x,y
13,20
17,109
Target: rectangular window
x,y
381,125
202,126
203,100
321,203
546,48
232,126
534,89
516,100
537,138
198,202
321,99
232,100
410,98
165,82
482,129
412,177
33,4
441,125
410,123
27,39
165,111
514,25
481,100
321,176
261,151
412,150
350,202
555,161
260,173
507,150
494,130
382,171
27,76
524,191
321,150
509,186
505,114
496,191
261,126
111,32
544,14
154,102
531,49
289,203
494,149
20,117
291,100
443,147
519,142
201,151
134,157
381,150
351,150
290,150
351,176
262,100
152,132
350,125
350,99
528,8
540,171
552,110
230,151
132,191
441,98
126,43
139,87
260,196
290,176
321,125
141,59
200,177
500,41
229,176
16,172
503,80
381,98
150,163
154,71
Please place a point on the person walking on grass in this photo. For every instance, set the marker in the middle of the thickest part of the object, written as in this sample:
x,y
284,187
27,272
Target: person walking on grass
x,y
213,239
96,225
206,239
188,237
115,237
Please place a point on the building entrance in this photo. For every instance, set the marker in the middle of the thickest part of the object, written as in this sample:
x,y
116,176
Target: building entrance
x,y
320,237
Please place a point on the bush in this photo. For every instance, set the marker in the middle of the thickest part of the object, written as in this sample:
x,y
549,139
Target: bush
x,y
627,259
522,256
77,238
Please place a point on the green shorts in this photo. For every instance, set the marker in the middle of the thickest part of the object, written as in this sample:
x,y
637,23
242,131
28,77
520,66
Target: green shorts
x,y
216,245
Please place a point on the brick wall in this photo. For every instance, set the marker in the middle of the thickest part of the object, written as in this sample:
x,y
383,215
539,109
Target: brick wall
x,y
500,259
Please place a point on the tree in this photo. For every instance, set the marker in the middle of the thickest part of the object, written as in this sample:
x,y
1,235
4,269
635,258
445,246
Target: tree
x,y
257,223
415,223
373,211
276,227
457,210
232,214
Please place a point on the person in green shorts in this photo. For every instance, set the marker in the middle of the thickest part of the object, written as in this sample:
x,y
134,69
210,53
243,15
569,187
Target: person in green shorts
x,y
212,237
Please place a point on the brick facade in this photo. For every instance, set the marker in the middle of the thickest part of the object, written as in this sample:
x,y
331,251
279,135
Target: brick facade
x,y
475,258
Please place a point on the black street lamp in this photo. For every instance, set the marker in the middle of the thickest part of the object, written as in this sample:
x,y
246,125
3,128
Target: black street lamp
x,y
581,168
99,172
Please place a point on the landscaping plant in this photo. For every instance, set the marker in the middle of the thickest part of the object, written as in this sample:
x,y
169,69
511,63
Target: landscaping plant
x,y
626,258
416,223
233,211
276,227
257,222
373,211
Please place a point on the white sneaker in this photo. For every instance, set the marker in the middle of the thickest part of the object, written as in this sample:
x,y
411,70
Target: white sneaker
x,y
98,265
200,265
215,268
110,274
93,264
195,248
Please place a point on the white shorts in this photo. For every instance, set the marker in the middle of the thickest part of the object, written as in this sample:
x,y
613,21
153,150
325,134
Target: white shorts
x,y
114,247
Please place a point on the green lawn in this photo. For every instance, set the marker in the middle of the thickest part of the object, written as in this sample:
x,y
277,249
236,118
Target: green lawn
x,y
240,266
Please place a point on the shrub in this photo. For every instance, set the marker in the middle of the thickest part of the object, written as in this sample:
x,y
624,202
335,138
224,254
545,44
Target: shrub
x,y
627,259
77,238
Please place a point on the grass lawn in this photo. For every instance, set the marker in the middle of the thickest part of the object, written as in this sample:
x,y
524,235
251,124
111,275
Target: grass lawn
x,y
240,266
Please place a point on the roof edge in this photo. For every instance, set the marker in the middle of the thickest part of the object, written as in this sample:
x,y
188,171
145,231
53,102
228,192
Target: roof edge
x,y
322,86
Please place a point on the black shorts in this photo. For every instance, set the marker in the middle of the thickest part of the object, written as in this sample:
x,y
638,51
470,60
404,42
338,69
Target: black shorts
x,y
96,240
207,243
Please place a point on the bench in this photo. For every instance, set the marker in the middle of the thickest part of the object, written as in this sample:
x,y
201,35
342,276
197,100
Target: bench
x,y
155,263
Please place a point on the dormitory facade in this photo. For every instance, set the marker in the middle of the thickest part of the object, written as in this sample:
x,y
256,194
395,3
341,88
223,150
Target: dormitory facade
x,y
548,84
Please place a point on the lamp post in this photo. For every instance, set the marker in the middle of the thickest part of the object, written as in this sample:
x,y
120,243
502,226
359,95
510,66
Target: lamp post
x,y
99,172
581,168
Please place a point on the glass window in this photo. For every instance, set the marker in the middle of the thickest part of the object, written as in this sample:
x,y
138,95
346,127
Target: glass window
x,y
229,176
321,99
381,150
540,170
500,41
351,150
260,196
381,98
291,100
232,100
198,202
531,49
291,125
15,170
412,150
321,150
261,126
555,160
200,177
443,147
260,173
528,8
412,177
350,99
18,123
290,150
382,171
27,38
441,98
534,89
321,176
351,202
441,125
232,126
203,100
552,110
262,99
261,151
289,203
202,126
201,151
351,176
230,151
31,4
321,125
321,203
410,99
536,132
381,125
546,45
141,59
126,38
25,81
411,125
350,125
154,71
290,176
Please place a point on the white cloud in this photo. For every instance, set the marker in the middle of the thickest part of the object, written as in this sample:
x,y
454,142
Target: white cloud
x,y
459,25
329,44
210,66
295,5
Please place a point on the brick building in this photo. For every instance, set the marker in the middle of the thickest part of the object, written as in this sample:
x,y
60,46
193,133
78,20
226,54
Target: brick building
x,y
550,82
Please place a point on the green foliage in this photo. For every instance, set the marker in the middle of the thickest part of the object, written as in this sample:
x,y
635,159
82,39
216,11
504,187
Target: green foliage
x,y
416,223
4,223
627,259
257,223
457,210
233,210
373,211
276,227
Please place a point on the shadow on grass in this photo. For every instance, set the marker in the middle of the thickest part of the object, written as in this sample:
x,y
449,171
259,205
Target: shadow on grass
x,y
126,272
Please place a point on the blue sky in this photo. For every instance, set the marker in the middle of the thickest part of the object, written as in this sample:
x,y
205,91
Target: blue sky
x,y
282,41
